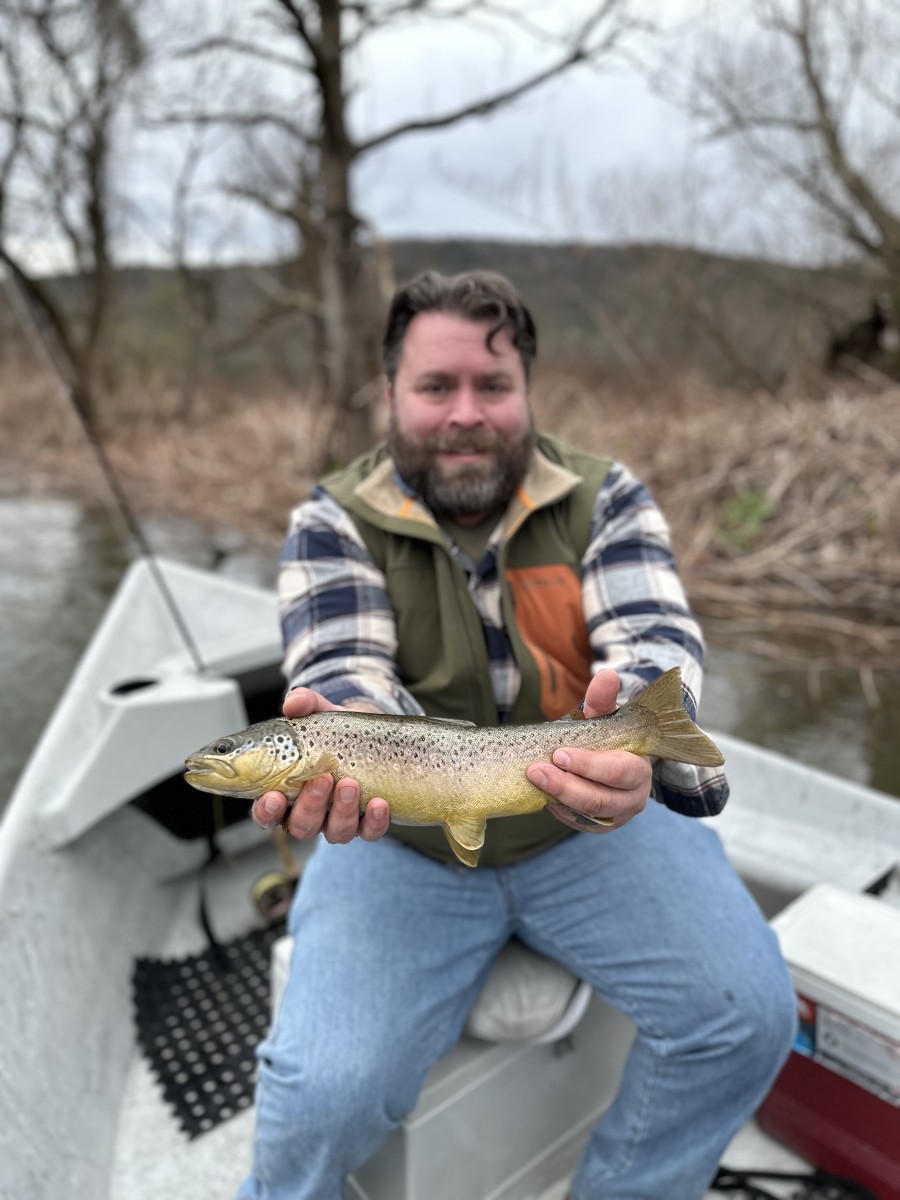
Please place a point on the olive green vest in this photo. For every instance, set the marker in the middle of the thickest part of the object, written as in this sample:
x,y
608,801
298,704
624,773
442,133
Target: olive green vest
x,y
442,656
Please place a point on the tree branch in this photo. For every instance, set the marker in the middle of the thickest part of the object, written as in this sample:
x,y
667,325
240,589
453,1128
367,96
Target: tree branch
x,y
579,52
251,120
244,48
856,185
478,108
298,21
294,212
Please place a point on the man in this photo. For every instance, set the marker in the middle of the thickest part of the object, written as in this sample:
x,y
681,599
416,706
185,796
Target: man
x,y
472,568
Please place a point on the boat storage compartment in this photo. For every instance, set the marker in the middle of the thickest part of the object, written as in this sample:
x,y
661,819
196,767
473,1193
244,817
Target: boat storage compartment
x,y
837,1100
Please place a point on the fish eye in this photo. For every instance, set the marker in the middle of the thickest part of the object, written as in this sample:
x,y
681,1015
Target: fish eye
x,y
224,746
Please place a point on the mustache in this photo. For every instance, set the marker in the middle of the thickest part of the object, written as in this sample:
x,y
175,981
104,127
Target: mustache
x,y
465,441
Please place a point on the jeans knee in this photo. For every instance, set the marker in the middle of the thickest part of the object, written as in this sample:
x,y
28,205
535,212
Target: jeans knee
x,y
317,1120
315,1099
764,1025
780,1025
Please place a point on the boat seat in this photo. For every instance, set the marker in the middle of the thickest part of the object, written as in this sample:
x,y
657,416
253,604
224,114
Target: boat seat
x,y
526,998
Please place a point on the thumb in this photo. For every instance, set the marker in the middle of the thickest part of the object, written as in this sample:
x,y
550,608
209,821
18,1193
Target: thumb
x,y
300,702
601,694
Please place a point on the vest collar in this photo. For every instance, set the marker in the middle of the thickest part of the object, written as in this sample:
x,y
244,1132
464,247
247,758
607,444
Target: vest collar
x,y
545,482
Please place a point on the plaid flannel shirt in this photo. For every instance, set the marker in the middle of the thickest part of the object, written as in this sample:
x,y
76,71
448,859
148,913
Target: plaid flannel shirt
x,y
340,635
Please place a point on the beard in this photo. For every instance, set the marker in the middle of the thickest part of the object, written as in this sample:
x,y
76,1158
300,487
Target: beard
x,y
469,489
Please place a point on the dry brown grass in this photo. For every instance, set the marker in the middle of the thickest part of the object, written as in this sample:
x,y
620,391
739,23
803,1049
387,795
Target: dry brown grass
x,y
235,463
785,512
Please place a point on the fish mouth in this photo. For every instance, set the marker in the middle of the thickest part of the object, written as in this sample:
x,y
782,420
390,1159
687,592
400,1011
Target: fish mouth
x,y
198,768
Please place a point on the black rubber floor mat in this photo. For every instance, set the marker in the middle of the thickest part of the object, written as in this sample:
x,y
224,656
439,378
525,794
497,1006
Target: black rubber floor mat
x,y
199,1021
814,1185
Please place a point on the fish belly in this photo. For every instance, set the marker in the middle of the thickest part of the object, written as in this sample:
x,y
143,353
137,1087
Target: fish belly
x,y
424,799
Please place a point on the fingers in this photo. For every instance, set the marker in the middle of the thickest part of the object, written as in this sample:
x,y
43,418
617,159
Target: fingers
x,y
616,769
315,812
612,785
269,809
375,820
322,807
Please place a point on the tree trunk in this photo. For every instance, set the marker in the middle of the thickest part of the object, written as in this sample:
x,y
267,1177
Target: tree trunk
x,y
352,316
352,306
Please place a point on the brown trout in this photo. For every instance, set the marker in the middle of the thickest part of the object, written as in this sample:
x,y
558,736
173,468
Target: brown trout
x,y
437,772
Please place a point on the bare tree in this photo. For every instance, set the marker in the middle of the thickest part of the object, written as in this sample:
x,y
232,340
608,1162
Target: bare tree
x,y
65,71
810,95
307,152
197,282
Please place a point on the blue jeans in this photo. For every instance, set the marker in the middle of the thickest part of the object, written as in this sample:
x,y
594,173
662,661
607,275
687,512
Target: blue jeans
x,y
392,949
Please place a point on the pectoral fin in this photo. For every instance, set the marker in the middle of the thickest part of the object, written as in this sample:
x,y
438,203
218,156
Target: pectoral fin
x,y
326,765
466,839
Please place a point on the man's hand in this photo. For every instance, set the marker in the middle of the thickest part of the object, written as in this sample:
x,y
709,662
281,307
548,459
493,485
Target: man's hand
x,y
315,811
612,784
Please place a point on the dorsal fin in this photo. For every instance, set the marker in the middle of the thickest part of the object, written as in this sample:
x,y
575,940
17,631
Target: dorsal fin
x,y
449,721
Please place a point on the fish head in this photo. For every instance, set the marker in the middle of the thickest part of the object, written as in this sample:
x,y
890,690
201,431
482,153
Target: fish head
x,y
262,758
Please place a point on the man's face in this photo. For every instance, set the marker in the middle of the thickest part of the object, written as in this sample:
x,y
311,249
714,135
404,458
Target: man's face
x,y
461,427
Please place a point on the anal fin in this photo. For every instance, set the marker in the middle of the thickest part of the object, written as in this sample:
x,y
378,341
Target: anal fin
x,y
466,837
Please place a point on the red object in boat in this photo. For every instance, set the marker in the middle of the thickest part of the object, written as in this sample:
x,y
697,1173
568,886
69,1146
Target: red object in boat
x,y
836,1124
837,1100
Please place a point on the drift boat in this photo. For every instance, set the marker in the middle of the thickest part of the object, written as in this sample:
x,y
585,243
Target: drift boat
x,y
140,957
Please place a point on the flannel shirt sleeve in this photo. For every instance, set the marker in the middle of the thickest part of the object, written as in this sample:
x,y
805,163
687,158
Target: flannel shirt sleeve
x,y
338,625
639,622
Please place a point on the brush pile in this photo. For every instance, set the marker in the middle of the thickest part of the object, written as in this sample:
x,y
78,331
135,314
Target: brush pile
x,y
785,512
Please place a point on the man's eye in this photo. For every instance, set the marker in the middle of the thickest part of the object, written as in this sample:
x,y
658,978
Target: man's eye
x,y
435,391
495,387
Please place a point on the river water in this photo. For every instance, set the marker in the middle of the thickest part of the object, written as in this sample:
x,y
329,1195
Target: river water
x,y
60,561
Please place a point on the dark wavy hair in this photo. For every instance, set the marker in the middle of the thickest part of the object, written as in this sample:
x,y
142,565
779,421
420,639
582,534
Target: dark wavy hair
x,y
475,295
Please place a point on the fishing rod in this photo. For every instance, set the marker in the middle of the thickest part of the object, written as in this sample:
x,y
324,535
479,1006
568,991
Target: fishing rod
x,y
38,318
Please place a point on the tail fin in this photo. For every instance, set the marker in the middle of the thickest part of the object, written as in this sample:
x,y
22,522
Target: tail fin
x,y
677,737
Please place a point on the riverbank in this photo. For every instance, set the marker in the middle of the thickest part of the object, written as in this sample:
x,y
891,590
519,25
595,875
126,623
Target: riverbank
x,y
785,511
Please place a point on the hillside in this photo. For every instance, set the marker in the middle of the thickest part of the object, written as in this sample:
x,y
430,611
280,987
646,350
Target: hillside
x,y
658,309
601,310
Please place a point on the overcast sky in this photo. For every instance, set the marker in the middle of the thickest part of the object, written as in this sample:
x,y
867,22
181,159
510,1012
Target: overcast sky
x,y
502,175
594,155
530,171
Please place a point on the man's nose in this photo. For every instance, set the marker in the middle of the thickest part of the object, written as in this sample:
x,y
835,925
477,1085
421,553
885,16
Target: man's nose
x,y
466,409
